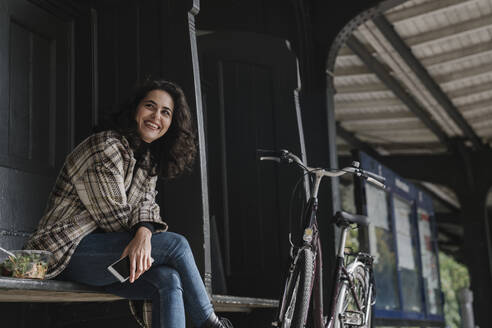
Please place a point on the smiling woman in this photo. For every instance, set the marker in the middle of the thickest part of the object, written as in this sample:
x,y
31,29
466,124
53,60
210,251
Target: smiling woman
x,y
103,208
154,115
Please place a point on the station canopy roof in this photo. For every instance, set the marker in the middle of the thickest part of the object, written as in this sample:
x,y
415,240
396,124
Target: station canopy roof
x,y
417,77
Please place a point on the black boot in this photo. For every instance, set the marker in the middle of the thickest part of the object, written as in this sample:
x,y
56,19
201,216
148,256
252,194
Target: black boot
x,y
215,322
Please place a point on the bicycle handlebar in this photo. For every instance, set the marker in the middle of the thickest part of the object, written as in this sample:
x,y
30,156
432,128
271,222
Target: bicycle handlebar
x,y
287,157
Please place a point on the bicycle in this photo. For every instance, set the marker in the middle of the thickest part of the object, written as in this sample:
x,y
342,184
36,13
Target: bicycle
x,y
353,293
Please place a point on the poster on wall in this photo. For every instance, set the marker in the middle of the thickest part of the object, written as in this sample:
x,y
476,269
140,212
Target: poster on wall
x,y
377,212
403,212
429,261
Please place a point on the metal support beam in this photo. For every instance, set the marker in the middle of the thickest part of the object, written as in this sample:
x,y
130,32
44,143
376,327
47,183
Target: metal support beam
x,y
449,218
395,86
355,142
435,90
440,169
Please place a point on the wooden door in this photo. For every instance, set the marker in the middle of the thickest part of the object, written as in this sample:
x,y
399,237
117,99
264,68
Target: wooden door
x,y
249,83
35,113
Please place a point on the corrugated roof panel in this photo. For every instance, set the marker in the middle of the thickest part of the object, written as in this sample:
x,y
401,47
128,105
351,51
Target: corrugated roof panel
x,y
387,125
401,136
347,97
348,61
368,104
453,40
361,88
455,50
484,6
476,108
405,6
351,113
462,89
474,62
484,131
392,113
474,98
362,79
482,119
484,128
425,30
465,73
412,9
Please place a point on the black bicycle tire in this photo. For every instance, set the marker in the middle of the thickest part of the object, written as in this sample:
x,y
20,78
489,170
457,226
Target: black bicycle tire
x,y
299,291
359,274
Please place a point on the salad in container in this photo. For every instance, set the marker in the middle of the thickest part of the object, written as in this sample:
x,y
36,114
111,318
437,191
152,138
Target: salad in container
x,y
31,264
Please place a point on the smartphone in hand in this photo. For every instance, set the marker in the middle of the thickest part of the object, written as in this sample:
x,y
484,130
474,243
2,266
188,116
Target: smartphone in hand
x,y
121,269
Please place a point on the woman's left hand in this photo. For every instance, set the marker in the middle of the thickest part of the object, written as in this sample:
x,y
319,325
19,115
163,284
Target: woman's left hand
x,y
139,250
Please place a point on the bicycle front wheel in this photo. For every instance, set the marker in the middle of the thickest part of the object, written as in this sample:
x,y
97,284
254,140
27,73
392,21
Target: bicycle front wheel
x,y
354,305
298,292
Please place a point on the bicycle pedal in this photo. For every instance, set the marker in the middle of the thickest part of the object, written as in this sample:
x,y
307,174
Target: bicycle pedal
x,y
274,323
353,318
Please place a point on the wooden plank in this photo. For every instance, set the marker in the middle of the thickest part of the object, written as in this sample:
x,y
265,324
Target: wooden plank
x,y
45,291
31,290
44,296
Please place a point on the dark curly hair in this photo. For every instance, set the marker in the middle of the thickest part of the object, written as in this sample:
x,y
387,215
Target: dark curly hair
x,y
173,153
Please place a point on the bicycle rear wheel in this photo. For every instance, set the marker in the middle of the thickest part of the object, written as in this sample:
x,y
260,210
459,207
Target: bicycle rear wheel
x,y
298,292
348,314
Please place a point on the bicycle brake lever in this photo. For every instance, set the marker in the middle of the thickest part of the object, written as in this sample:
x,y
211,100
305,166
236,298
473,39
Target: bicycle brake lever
x,y
270,158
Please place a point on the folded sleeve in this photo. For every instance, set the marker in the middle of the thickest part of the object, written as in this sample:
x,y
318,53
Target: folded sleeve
x,y
101,189
148,225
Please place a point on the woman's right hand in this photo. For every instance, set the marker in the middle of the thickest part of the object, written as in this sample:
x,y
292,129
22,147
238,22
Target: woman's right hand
x,y
138,251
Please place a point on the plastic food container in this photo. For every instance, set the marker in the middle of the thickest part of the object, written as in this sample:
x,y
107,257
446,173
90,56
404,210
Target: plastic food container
x,y
31,264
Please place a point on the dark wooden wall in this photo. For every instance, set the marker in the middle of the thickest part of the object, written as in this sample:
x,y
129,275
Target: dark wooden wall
x,y
35,113
63,66
250,82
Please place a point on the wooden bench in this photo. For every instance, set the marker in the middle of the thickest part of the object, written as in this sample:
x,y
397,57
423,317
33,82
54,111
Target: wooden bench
x,y
31,290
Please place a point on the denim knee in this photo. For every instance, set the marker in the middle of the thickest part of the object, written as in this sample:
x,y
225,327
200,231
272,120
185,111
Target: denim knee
x,y
171,245
180,241
183,243
163,278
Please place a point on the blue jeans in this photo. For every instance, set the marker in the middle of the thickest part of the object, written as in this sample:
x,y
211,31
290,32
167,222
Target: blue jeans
x,y
173,283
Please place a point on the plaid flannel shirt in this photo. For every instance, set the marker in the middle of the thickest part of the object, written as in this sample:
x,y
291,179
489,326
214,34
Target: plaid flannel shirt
x,y
98,187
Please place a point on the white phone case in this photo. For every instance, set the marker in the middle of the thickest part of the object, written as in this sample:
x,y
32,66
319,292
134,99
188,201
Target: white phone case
x,y
116,273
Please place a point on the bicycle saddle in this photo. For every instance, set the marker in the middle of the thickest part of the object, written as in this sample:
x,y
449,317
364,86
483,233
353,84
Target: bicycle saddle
x,y
343,219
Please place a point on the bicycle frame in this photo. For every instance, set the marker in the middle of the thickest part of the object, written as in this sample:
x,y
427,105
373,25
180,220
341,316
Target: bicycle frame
x,y
340,274
318,314
311,240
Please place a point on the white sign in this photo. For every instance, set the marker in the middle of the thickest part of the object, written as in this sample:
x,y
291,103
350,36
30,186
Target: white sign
x,y
403,212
